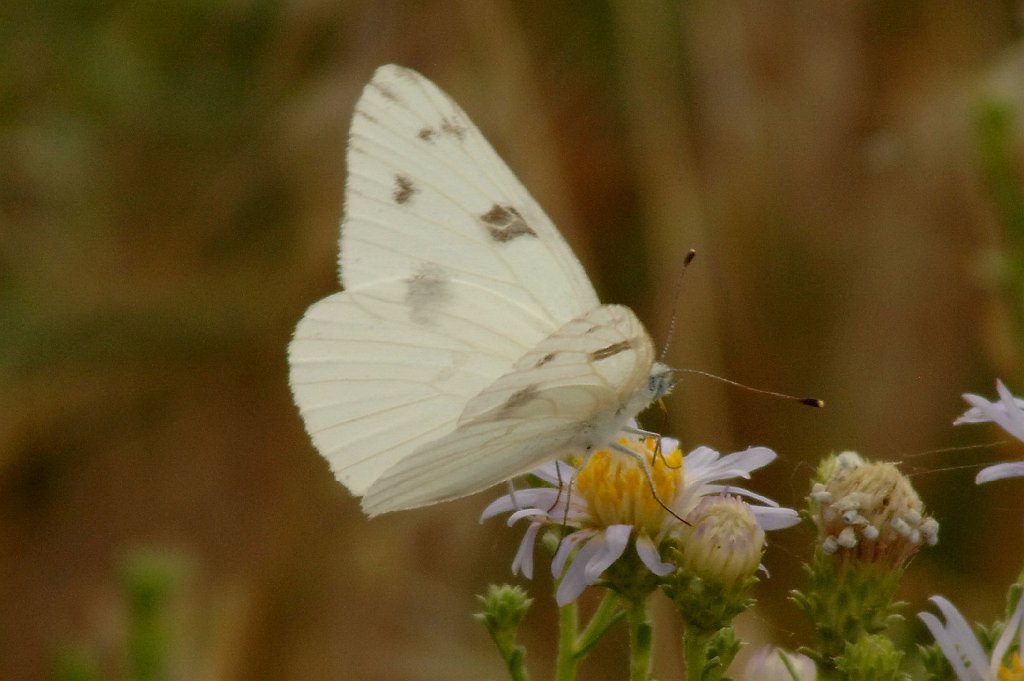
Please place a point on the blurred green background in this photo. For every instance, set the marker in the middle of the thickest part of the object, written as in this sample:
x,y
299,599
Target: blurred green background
x,y
171,173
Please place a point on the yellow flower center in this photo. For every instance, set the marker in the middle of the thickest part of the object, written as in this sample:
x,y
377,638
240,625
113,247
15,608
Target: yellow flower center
x,y
1015,672
618,491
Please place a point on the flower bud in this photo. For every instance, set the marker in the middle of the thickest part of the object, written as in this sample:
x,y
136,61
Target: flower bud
x,y
868,511
723,542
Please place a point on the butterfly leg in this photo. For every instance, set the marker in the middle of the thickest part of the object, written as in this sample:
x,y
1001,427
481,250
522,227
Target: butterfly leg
x,y
650,479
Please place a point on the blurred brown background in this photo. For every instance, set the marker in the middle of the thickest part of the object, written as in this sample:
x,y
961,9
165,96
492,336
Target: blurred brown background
x,y
170,191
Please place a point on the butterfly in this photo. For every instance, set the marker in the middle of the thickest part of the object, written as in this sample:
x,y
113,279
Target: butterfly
x,y
468,345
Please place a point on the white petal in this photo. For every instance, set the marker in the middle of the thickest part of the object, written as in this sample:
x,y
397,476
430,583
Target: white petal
x,y
565,547
532,497
700,457
575,581
525,513
554,472
770,518
1000,471
999,649
947,645
649,556
1013,411
740,491
737,464
524,556
1007,412
959,639
974,414
608,548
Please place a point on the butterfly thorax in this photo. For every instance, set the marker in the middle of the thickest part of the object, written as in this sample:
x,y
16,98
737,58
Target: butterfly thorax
x,y
597,432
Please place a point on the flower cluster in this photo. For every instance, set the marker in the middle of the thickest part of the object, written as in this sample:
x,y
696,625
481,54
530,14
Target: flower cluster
x,y
643,516
635,496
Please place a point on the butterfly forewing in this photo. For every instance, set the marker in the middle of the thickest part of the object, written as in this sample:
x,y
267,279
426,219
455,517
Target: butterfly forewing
x,y
425,189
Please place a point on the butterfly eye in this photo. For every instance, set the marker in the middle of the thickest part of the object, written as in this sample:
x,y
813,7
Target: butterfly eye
x,y
659,382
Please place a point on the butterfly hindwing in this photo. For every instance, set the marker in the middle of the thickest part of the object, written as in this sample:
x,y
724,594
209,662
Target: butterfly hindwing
x,y
566,394
376,377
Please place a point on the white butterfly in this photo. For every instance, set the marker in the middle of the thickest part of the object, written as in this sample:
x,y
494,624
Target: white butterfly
x,y
468,346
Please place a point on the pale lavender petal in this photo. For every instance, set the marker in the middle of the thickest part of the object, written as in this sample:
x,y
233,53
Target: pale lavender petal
x,y
957,641
737,464
1000,471
575,579
771,518
948,646
551,471
649,556
740,491
1006,414
1007,637
531,497
700,457
976,414
524,556
750,458
608,548
509,502
1013,412
525,513
565,547
500,505
972,415
571,586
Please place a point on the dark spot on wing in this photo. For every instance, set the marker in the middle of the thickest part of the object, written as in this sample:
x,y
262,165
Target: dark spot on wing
x,y
453,127
519,398
504,223
404,189
386,92
426,290
427,134
545,359
610,351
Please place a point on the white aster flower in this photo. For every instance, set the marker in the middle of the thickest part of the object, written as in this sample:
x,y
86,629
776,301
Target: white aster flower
x,y
965,653
610,505
1008,412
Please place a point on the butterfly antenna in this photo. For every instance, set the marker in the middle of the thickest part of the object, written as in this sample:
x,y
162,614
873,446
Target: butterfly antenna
x,y
806,401
690,255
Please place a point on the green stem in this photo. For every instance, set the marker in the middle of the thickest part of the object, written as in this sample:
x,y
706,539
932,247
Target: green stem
x,y
695,652
515,662
607,614
568,660
641,637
